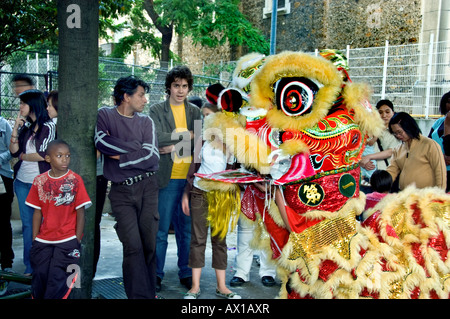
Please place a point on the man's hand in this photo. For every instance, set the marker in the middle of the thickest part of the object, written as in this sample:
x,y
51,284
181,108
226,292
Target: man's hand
x,y
167,149
185,204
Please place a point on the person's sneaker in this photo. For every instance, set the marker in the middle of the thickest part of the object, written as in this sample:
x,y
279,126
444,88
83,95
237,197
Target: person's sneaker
x,y
192,295
4,284
268,281
236,281
230,295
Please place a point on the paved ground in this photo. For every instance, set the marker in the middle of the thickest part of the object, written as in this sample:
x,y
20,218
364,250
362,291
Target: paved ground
x,y
108,280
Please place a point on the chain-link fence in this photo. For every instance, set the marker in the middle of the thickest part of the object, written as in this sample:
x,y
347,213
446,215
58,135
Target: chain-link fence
x,y
42,68
110,70
414,77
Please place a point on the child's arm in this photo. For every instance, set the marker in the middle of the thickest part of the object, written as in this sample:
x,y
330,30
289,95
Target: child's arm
x,y
37,219
80,223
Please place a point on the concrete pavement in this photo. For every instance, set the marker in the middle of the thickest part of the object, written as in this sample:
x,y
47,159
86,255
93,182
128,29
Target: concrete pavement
x,y
108,282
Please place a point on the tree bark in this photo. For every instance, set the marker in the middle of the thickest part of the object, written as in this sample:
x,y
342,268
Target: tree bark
x,y
78,104
158,90
166,31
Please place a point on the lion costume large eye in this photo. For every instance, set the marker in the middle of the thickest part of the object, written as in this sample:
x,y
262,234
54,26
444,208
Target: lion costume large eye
x,y
295,96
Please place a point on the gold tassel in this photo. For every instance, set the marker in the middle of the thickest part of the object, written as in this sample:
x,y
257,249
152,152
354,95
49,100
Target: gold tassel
x,y
223,210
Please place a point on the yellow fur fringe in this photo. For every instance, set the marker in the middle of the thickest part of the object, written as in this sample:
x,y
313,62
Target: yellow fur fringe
x,y
248,148
223,211
405,273
369,120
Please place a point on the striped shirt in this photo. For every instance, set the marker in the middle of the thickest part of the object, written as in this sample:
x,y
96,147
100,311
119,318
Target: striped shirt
x,y
133,138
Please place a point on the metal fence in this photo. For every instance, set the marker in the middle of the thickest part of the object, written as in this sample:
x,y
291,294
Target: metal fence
x,y
414,77
42,67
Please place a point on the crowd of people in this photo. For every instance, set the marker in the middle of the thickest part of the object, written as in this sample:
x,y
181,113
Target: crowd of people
x,y
409,157
148,177
153,186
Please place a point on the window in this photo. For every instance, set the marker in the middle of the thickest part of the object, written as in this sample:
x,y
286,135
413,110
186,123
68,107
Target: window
x,y
284,7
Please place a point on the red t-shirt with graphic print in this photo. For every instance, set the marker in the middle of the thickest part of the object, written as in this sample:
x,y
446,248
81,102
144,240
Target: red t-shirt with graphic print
x,y
58,199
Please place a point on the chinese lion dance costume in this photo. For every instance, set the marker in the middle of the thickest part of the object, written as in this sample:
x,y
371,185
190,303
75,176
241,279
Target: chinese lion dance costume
x,y
297,125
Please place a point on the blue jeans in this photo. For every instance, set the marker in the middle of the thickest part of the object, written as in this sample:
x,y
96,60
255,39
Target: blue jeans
x,y
169,207
26,215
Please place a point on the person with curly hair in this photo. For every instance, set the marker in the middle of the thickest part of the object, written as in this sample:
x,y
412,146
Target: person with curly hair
x,y
175,121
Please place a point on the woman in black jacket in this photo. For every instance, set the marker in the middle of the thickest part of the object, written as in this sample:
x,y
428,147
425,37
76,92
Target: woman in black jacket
x,y
32,132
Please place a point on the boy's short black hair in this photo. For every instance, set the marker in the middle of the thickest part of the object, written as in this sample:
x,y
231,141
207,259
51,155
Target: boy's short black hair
x,y
55,143
23,77
129,86
196,100
179,72
381,181
210,106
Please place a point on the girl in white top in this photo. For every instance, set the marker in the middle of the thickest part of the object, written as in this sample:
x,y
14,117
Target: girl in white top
x,y
212,160
384,146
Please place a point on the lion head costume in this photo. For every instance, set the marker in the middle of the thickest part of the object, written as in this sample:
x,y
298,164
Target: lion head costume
x,y
299,124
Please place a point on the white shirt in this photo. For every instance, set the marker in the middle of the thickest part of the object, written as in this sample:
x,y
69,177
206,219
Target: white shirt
x,y
28,170
212,161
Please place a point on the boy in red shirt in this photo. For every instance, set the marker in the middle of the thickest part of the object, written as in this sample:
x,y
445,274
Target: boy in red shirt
x,y
59,199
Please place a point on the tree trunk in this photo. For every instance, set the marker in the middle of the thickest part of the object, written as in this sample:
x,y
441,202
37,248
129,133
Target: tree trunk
x,y
78,104
157,93
158,90
165,47
166,31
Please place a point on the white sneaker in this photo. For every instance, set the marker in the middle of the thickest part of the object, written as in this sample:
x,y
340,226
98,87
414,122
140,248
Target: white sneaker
x,y
230,295
192,295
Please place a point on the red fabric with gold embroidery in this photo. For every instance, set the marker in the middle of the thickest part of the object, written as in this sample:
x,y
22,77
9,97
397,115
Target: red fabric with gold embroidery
x,y
333,199
252,203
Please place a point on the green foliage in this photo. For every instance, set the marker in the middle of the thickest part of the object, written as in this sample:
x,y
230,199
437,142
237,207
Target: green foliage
x,y
109,10
222,21
28,23
208,22
141,31
25,23
214,69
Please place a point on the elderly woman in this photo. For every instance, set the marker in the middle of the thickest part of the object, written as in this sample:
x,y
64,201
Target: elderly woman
x,y
419,159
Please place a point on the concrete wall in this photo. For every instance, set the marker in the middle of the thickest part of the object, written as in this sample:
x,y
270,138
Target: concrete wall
x,y
425,125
